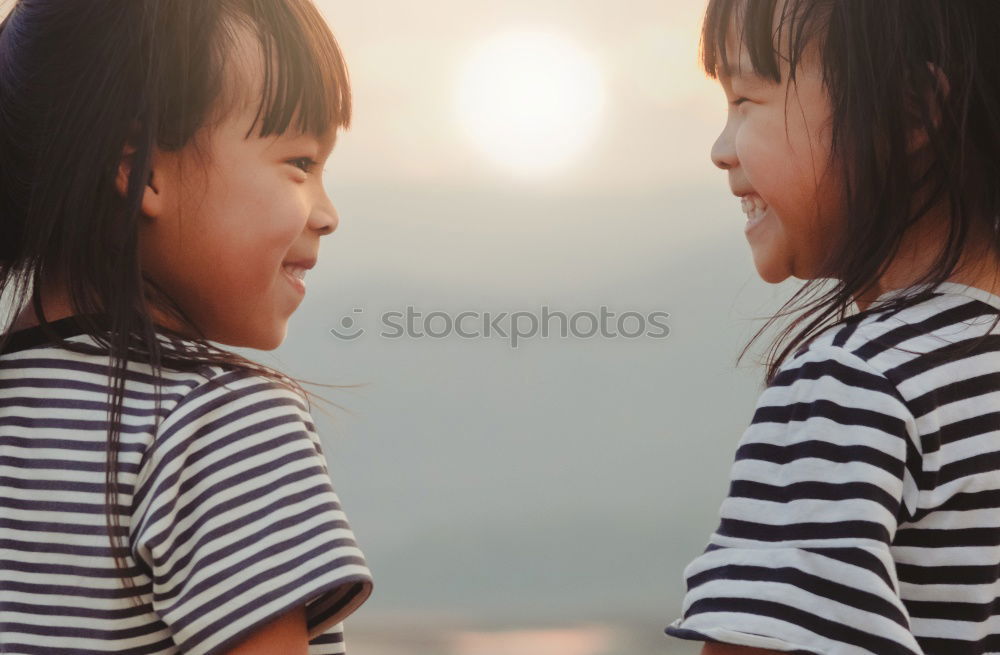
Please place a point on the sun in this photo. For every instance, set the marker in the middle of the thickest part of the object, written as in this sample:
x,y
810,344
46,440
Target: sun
x,y
530,101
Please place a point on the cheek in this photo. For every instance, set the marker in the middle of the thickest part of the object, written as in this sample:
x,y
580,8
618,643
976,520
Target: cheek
x,y
766,162
254,254
820,181
260,216
786,164
232,248
760,137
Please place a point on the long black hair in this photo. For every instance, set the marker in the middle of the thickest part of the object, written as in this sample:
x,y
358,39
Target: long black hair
x,y
891,68
80,80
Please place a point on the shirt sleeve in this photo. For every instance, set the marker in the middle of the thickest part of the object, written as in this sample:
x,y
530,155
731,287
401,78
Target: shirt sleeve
x,y
801,559
330,642
235,520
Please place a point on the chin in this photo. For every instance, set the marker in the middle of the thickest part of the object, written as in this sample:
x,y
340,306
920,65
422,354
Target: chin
x,y
265,340
272,341
771,275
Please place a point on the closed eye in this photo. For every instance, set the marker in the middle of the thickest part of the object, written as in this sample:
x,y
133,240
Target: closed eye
x,y
310,164
740,101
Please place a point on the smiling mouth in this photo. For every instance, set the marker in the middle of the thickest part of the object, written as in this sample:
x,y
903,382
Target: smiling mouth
x,y
295,275
298,272
754,207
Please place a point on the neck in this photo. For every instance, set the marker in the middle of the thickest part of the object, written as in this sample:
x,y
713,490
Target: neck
x,y
978,266
56,305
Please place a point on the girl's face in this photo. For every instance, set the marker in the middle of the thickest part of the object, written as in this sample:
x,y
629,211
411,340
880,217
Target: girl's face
x,y
778,164
218,241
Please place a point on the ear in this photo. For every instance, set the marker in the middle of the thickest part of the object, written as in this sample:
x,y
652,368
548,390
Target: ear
x,y
152,198
931,101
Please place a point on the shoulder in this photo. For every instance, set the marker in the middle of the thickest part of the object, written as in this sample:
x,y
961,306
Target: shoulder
x,y
828,413
240,390
231,415
915,352
827,371
828,403
885,337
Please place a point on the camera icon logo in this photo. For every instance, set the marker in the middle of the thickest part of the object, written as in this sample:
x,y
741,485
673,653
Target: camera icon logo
x,y
348,331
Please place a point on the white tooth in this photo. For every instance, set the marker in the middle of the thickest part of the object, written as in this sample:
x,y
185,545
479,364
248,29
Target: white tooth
x,y
754,206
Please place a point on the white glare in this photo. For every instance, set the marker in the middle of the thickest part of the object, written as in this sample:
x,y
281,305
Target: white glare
x,y
530,101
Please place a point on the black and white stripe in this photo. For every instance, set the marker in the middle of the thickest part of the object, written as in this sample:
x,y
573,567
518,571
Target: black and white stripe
x,y
231,519
863,514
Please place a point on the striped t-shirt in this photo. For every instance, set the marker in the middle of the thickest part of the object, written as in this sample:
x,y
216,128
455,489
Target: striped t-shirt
x,y
230,520
863,513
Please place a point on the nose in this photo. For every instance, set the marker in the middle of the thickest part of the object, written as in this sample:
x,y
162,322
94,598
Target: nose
x,y
324,219
723,152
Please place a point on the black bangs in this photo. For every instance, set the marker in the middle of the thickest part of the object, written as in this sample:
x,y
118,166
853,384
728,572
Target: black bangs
x,y
757,31
305,76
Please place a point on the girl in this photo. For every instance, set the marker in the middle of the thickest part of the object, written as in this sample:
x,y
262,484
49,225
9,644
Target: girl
x,y
161,189
863,515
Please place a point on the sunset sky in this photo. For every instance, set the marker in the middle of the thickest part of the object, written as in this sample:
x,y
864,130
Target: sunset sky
x,y
504,495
